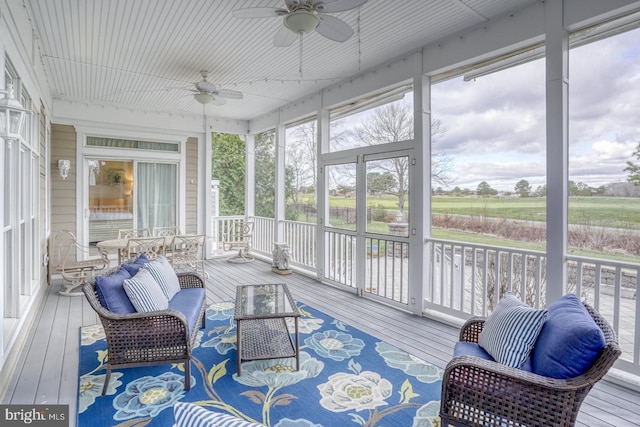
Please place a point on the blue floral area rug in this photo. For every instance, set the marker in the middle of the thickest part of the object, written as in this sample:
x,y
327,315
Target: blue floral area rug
x,y
346,378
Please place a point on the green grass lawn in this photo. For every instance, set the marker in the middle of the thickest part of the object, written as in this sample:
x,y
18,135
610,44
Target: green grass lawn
x,y
616,212
620,212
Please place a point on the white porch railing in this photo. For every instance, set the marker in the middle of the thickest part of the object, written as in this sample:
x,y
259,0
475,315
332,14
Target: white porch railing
x,y
263,235
340,257
219,226
301,237
464,278
612,289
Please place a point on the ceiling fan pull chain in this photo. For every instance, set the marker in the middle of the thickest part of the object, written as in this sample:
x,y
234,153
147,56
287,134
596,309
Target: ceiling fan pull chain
x,y
300,69
359,43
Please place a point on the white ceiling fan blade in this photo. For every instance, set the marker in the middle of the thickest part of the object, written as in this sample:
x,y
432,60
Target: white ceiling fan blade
x,y
219,101
259,12
334,28
331,6
284,37
227,93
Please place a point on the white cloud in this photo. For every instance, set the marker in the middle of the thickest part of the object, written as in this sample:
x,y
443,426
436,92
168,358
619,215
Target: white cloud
x,y
496,124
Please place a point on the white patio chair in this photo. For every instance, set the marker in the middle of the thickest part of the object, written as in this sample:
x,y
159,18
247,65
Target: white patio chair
x,y
76,263
128,233
188,253
152,247
239,237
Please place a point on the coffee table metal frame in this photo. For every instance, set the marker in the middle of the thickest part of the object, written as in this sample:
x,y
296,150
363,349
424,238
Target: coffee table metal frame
x,y
261,325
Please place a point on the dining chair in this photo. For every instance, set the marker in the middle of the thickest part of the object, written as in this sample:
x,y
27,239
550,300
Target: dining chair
x,y
128,233
188,253
169,234
152,247
173,230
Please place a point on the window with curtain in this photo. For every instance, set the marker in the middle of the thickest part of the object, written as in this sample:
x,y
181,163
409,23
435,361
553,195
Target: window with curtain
x,y
157,195
130,194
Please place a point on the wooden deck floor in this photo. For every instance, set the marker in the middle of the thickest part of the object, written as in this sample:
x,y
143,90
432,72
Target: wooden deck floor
x,y
49,369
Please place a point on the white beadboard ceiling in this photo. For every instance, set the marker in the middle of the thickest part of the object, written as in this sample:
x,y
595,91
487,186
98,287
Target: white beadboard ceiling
x,y
143,53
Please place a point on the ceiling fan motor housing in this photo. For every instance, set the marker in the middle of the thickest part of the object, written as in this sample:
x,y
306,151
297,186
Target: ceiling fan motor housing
x,y
301,21
203,97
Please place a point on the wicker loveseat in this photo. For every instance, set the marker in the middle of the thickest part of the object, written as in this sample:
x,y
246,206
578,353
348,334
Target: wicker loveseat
x,y
479,392
156,337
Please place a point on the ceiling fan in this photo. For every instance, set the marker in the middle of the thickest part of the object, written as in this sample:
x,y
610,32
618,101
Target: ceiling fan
x,y
303,16
206,92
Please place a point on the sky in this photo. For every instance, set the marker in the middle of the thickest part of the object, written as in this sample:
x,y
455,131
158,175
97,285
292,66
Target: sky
x,y
495,124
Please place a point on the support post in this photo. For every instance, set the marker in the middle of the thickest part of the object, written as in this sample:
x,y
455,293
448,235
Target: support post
x,y
557,91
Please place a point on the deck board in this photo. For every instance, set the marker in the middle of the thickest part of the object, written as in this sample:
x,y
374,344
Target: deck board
x,y
48,372
56,347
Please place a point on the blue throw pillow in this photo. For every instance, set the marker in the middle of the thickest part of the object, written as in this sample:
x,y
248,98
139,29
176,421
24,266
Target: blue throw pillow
x,y
134,266
510,332
111,292
569,342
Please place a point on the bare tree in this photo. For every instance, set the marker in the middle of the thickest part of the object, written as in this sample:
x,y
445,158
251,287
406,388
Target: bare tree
x,y
394,123
441,163
302,155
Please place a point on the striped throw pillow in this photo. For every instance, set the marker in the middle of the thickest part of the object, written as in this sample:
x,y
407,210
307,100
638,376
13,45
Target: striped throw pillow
x,y
190,415
165,275
510,332
145,294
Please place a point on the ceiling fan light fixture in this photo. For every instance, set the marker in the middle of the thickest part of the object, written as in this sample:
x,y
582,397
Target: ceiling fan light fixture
x,y
301,21
203,97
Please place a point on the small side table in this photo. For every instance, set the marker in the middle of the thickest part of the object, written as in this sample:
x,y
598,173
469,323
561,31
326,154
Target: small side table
x,y
261,327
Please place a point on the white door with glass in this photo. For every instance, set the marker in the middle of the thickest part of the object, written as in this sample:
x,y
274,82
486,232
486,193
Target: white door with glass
x,y
125,194
367,229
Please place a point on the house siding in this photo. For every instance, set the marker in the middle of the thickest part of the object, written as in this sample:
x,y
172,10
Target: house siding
x,y
191,191
63,192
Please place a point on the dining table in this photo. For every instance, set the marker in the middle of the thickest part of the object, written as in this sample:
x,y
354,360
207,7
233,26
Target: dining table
x,y
120,245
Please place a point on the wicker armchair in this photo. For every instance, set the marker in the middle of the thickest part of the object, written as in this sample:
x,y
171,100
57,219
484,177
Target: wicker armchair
x,y
144,339
477,392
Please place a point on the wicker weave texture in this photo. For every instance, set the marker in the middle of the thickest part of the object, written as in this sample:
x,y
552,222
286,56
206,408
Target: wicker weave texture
x,y
266,339
480,393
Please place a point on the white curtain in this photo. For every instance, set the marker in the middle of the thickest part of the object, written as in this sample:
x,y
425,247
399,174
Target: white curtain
x,y
156,184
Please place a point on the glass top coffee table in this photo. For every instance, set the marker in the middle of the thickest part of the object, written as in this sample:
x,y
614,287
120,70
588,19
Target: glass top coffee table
x,y
261,326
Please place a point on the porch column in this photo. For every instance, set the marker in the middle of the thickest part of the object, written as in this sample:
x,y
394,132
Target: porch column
x,y
557,89
250,176
420,220
214,211
208,209
321,189
281,198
